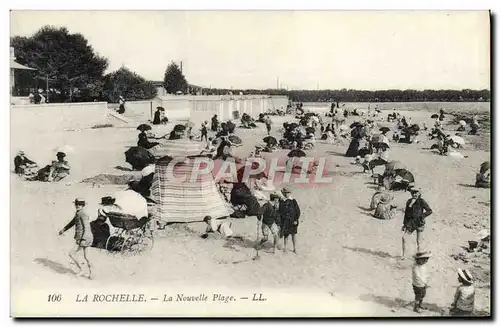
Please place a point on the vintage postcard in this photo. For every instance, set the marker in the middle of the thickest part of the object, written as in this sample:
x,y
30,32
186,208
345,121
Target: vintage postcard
x,y
250,163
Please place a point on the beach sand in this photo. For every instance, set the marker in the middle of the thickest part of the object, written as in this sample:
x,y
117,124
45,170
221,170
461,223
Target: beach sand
x,y
341,248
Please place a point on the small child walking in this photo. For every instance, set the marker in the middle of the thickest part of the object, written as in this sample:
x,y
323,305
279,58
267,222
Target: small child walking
x,y
463,301
420,279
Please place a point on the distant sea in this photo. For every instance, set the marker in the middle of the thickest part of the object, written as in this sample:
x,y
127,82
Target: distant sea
x,y
480,107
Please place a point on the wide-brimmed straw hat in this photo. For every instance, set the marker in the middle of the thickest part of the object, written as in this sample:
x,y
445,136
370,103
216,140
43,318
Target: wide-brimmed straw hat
x,y
422,255
285,190
465,275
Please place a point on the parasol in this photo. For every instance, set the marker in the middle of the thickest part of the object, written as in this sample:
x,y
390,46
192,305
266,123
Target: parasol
x,y
296,153
394,165
138,157
385,129
355,124
144,127
405,175
462,123
485,166
457,139
235,140
270,140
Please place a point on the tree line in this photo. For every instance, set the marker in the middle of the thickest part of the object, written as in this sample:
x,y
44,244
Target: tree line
x,y
345,95
74,72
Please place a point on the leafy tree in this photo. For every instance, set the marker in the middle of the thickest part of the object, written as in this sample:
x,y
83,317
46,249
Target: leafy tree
x,y
174,79
129,84
67,59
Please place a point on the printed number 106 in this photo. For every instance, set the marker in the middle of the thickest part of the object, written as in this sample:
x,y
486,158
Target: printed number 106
x,y
54,298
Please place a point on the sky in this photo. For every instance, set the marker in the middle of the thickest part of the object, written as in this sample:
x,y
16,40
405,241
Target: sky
x,y
370,50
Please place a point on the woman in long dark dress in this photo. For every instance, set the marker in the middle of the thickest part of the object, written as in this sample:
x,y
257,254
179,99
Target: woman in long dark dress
x,y
215,124
353,149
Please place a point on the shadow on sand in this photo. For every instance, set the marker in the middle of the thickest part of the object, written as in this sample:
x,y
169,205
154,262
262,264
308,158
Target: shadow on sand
x,y
467,185
55,266
397,303
123,168
379,254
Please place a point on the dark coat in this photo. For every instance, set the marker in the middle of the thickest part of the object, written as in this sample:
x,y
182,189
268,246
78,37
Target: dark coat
x,y
415,216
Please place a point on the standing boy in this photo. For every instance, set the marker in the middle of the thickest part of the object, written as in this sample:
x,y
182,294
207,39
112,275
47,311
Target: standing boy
x,y
83,236
420,279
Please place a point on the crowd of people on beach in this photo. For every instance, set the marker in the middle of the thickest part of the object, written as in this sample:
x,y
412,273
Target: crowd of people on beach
x,y
278,213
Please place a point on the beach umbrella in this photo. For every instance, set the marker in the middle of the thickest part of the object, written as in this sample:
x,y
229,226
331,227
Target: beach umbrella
x,y
485,166
138,157
434,116
457,139
394,165
235,140
189,124
144,127
385,129
462,123
179,128
405,175
270,140
355,124
296,153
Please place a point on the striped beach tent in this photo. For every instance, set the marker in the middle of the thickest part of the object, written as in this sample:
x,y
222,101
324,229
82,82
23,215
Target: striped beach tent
x,y
179,196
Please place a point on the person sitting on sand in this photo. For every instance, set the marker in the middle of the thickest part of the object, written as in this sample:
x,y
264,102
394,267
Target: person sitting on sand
x,y
483,178
56,171
24,166
385,210
377,196
270,220
219,227
463,300
416,211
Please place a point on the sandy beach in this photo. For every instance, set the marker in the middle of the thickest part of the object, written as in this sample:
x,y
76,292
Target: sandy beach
x,y
341,248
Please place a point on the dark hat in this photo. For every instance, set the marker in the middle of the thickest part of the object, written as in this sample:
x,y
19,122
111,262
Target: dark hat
x,y
79,201
107,200
273,197
207,218
61,154
160,108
